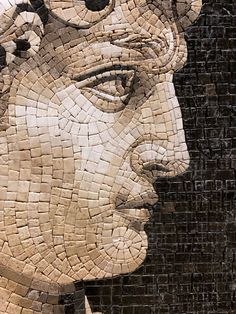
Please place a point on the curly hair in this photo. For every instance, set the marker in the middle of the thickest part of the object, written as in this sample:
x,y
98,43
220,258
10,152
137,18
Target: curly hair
x,y
22,26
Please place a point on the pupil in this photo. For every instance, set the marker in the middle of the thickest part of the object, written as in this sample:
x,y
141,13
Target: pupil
x,y
96,5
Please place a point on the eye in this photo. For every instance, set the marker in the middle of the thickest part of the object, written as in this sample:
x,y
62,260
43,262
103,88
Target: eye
x,y
80,13
110,89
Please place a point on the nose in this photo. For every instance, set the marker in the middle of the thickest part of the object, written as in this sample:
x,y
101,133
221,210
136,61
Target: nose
x,y
151,160
161,152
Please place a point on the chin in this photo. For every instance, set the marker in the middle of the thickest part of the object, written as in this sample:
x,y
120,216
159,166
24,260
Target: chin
x,y
122,253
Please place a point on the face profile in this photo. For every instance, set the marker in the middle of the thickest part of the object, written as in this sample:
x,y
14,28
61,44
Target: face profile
x,y
89,120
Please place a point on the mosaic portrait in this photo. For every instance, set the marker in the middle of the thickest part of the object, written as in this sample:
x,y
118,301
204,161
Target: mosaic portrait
x,y
89,120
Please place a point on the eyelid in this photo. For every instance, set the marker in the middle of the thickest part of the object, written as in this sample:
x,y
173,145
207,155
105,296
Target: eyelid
x,y
96,81
102,93
110,86
80,82
125,78
85,79
107,96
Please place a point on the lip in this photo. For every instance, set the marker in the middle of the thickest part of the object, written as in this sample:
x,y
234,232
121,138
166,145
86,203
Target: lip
x,y
136,209
135,214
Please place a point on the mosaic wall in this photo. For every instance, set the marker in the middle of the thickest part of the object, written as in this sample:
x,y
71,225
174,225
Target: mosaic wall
x,y
190,264
92,136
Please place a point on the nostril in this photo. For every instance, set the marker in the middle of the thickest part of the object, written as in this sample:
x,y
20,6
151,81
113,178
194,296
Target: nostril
x,y
152,171
156,167
149,160
152,161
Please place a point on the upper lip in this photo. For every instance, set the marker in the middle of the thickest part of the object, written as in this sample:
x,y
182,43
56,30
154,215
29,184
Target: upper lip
x,y
135,214
137,203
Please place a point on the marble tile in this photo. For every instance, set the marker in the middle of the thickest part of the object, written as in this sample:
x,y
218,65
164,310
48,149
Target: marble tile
x,y
88,120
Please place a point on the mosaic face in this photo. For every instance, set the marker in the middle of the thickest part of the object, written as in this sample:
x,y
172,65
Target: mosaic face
x,y
89,121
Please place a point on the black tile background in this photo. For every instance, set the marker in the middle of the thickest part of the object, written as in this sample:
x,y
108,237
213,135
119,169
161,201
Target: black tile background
x,y
190,265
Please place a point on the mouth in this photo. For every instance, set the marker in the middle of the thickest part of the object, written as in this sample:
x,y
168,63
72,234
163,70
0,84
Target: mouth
x,y
135,214
137,210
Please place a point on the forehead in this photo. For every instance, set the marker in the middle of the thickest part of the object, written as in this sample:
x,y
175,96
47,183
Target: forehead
x,y
84,14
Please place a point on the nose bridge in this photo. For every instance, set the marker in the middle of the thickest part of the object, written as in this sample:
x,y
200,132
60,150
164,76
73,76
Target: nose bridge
x,y
161,111
164,148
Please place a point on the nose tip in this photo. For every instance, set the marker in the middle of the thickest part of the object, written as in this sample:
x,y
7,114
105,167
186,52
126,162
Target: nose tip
x,y
151,160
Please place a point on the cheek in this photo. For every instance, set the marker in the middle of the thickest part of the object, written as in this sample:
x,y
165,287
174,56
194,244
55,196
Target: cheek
x,y
79,117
